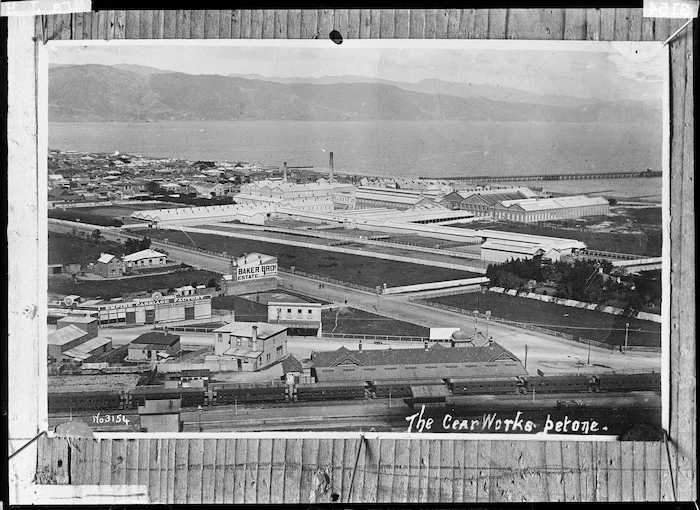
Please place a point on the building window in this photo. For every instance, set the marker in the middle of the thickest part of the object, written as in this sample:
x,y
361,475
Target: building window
x,y
250,342
238,341
268,357
279,350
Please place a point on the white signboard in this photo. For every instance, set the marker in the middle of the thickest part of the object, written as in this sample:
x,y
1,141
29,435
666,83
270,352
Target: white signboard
x,y
256,272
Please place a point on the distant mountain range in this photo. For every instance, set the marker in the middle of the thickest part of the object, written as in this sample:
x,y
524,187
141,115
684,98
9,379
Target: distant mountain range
x,y
127,92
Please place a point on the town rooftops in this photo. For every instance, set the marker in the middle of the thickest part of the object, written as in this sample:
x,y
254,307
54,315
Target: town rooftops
x,y
143,254
66,335
158,338
245,329
395,357
106,258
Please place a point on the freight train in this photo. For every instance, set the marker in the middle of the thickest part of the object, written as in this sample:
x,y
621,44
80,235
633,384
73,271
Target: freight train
x,y
228,394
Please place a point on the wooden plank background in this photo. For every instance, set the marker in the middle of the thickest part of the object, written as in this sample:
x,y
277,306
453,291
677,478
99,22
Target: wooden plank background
x,y
402,470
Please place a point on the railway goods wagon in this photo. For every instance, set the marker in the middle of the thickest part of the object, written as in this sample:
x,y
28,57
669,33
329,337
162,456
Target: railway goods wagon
x,y
484,386
560,384
84,401
248,393
190,396
341,391
383,389
629,382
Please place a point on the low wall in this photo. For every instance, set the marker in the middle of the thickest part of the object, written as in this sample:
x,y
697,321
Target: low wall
x,y
572,303
466,282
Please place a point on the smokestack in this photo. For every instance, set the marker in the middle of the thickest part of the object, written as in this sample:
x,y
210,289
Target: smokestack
x,y
330,168
284,176
255,338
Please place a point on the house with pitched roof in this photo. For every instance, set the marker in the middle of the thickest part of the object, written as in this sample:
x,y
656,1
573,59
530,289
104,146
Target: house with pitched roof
x,y
108,266
252,345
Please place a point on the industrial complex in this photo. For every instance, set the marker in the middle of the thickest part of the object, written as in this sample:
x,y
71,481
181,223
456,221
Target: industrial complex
x,y
269,327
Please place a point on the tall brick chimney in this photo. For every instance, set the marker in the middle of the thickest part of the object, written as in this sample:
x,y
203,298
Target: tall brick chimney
x,y
330,169
284,175
255,338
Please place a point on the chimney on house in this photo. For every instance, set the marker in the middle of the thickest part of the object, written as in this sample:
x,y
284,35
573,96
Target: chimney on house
x,y
255,338
330,169
284,175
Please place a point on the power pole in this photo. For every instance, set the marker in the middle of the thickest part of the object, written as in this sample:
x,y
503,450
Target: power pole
x,y
525,356
627,329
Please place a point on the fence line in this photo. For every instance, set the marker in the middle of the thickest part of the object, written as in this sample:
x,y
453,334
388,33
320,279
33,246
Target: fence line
x,y
387,338
531,327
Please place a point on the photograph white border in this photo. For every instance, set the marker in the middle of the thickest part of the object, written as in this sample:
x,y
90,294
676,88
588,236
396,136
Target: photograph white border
x,y
467,44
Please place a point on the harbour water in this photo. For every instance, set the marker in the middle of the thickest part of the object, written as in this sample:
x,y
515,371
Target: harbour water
x,y
391,148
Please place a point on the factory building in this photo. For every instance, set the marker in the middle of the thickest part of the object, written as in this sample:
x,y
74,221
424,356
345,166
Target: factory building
x,y
154,310
501,247
549,209
435,362
252,346
369,197
482,202
292,191
206,214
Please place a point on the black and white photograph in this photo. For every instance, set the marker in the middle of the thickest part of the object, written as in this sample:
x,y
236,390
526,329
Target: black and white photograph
x,y
390,236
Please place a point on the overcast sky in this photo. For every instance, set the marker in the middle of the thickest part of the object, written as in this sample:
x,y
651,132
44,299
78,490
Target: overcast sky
x,y
609,71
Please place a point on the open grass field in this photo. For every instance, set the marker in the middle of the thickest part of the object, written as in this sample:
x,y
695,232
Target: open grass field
x,y
366,271
598,326
359,322
107,289
647,243
65,249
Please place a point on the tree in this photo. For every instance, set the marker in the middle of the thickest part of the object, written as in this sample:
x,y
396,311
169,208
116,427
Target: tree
x,y
211,283
154,188
135,245
96,235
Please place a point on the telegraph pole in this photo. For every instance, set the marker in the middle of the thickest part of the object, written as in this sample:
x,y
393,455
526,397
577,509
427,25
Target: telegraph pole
x,y
525,356
627,330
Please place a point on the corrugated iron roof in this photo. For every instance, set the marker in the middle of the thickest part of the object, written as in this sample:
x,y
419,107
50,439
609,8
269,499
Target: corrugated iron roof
x,y
498,368
435,354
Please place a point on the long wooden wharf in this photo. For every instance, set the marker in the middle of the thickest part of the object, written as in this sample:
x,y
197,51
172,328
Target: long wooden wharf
x,y
551,177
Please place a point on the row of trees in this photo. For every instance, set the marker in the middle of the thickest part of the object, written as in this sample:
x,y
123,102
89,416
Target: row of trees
x,y
582,280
